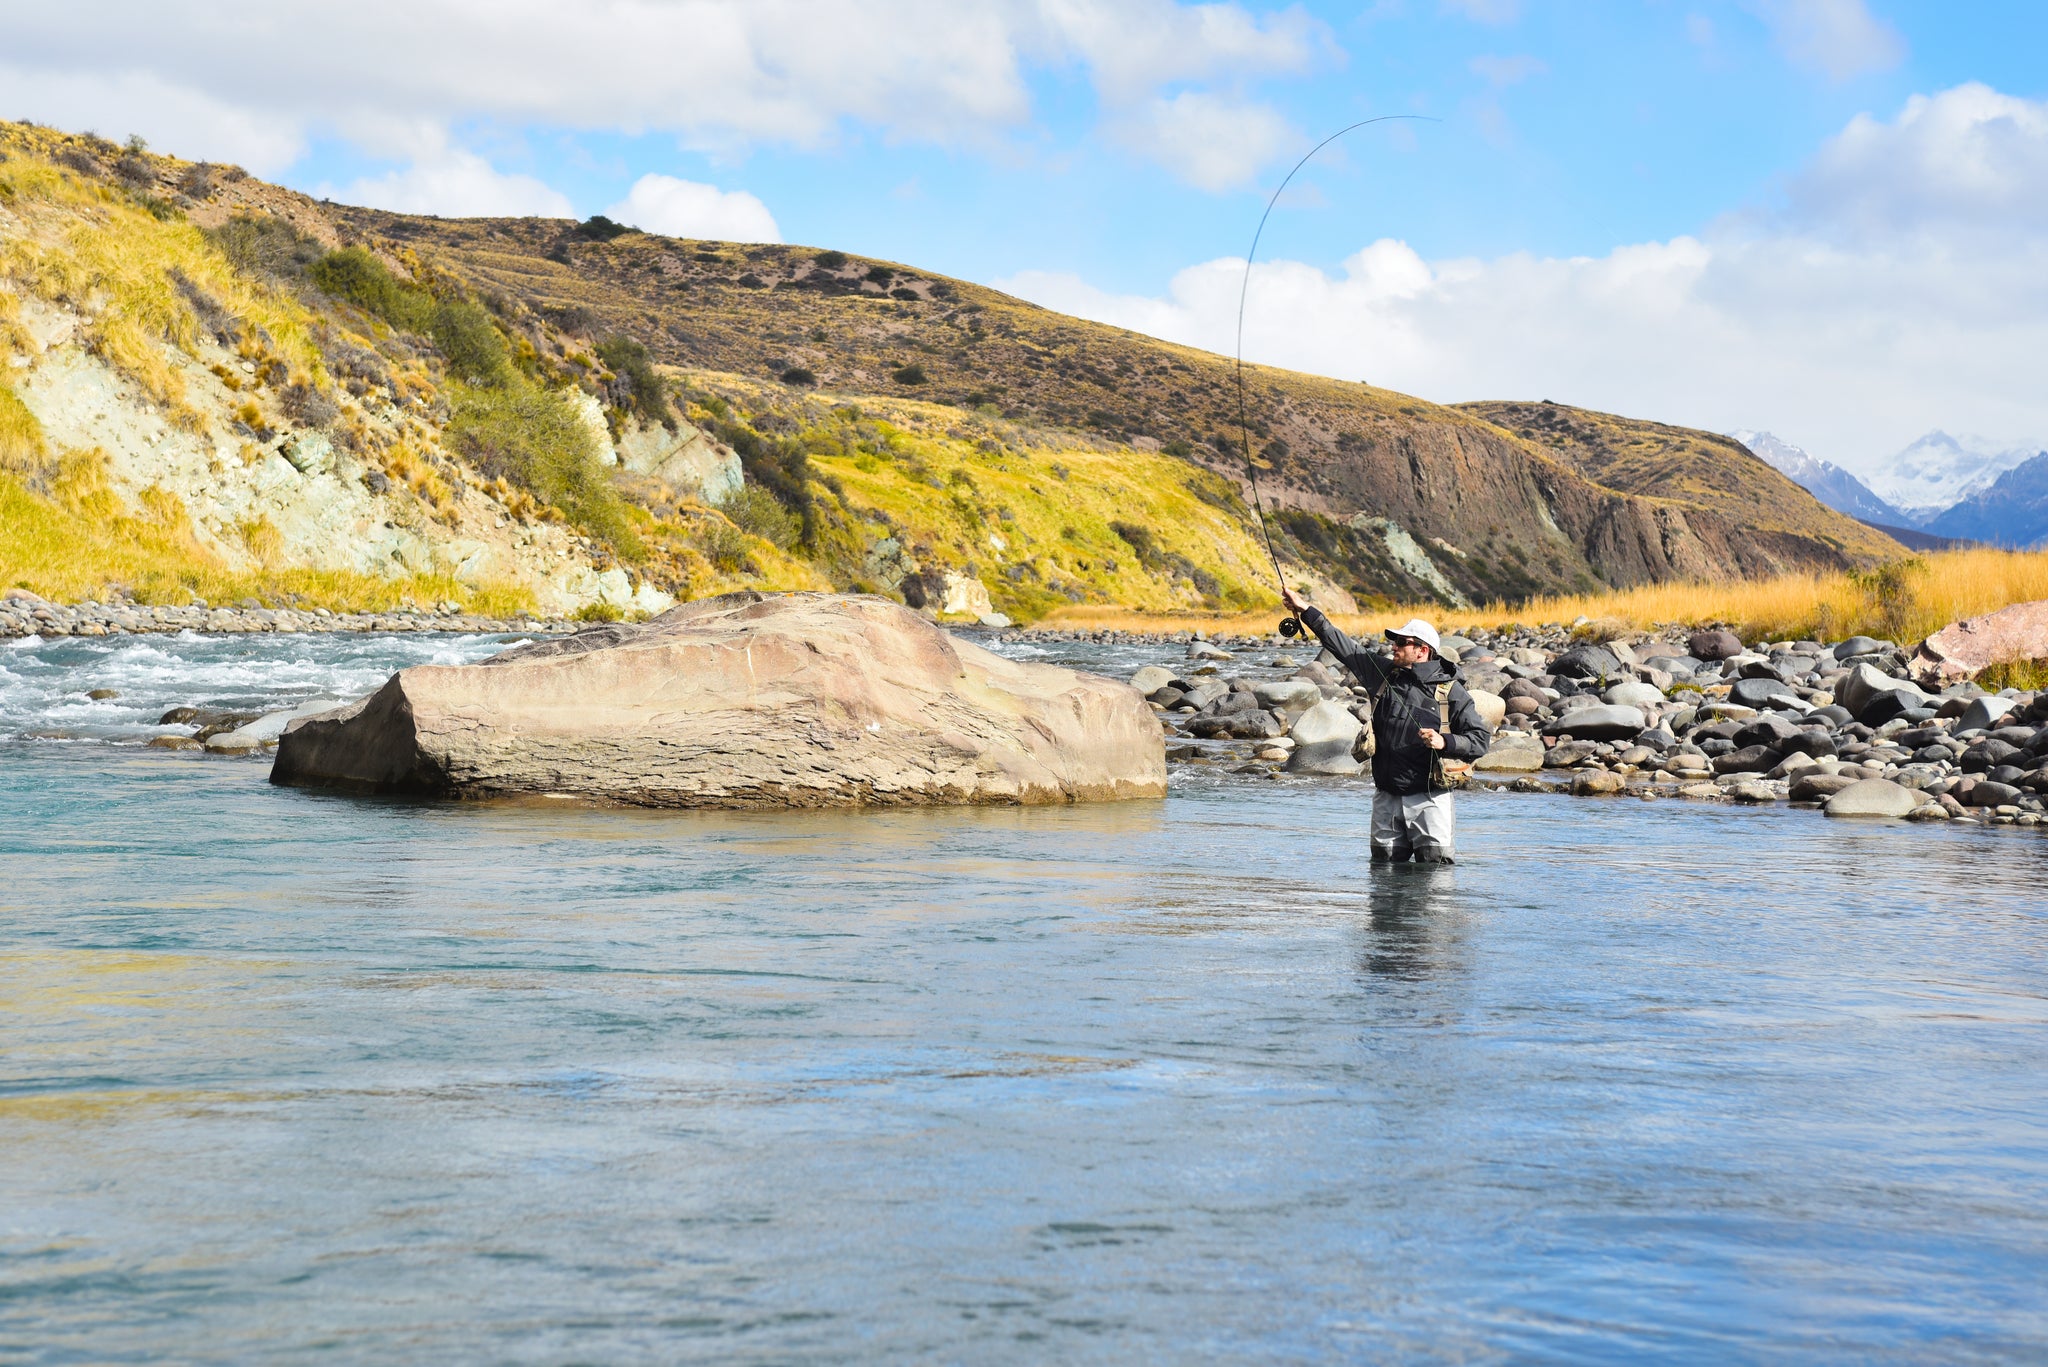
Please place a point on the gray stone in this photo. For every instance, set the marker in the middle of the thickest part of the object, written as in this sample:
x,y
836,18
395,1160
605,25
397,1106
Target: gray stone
x,y
1586,662
1599,722
1288,695
1206,692
1713,645
1597,783
1984,713
1324,737
1989,794
1492,708
1151,679
1873,797
1513,752
1633,694
269,726
1750,759
1202,650
1861,684
1860,645
1760,692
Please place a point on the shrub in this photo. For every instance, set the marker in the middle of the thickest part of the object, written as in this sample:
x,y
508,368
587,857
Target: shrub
x,y
356,275
725,546
198,180
599,612
1140,539
908,374
830,261
532,438
598,228
629,360
799,375
308,406
880,275
759,513
24,453
470,342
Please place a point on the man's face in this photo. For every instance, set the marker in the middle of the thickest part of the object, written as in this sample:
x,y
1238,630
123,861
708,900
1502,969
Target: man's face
x,y
1409,652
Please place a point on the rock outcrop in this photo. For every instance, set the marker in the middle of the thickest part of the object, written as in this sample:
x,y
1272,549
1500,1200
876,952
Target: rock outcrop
x,y
804,700
1974,644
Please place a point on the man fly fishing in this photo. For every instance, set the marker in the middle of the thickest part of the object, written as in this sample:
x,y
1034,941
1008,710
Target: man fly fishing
x,y
1426,733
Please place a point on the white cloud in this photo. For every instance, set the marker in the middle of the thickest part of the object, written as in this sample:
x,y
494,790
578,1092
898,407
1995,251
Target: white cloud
x,y
1814,321
685,208
1212,142
714,73
455,184
1840,37
173,118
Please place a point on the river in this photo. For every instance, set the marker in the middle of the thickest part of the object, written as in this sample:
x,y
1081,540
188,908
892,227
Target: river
x,y
289,1076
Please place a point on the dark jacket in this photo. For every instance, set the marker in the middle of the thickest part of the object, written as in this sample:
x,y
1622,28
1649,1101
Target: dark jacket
x,y
1406,702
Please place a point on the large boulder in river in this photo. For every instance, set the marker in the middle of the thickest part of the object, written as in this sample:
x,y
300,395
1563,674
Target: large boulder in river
x,y
798,700
1601,721
1873,797
1324,739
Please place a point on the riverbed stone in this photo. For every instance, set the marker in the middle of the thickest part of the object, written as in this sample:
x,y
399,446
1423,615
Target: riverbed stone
x,y
1873,797
1599,722
1597,783
1512,752
1491,707
1818,787
1713,644
1151,679
1988,793
1287,695
1324,737
1586,662
1984,713
745,700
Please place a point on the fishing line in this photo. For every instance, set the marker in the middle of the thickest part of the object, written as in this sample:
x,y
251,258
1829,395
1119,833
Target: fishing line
x,y
1289,626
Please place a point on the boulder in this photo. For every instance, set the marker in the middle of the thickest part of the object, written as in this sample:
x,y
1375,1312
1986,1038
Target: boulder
x,y
1859,689
1597,783
684,456
1762,693
1633,694
1202,650
1586,662
1989,794
1599,722
1522,688
1205,692
1151,679
1522,707
1860,645
1974,644
796,700
1288,695
1818,787
1873,797
1512,752
1324,737
266,728
1492,708
1984,713
1713,645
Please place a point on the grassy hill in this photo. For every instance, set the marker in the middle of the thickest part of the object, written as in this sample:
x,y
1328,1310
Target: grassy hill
x,y
898,431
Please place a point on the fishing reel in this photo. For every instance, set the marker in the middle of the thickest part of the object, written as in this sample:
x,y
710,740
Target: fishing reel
x,y
1290,626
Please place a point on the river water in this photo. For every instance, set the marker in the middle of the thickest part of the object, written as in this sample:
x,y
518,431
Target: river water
x,y
290,1076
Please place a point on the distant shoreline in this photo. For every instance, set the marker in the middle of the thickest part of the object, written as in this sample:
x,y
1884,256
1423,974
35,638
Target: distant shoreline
x,y
21,617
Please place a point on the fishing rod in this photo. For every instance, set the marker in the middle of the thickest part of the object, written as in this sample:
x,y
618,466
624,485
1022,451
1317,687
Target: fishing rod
x,y
1289,625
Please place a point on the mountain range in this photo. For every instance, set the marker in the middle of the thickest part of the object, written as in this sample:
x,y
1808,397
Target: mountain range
x,y
1939,489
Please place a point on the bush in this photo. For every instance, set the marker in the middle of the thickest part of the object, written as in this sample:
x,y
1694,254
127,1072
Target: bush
x,y
759,513
908,374
470,342
534,439
799,375
356,275
725,546
629,360
258,244
880,275
830,261
598,228
308,406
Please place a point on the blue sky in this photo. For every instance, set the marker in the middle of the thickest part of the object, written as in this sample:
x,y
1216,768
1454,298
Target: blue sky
x,y
1104,155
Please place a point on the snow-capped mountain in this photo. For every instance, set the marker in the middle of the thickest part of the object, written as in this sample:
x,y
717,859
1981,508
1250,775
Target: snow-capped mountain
x,y
1824,479
2012,511
1939,471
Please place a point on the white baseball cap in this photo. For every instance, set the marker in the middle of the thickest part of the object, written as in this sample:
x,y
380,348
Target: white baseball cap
x,y
1419,630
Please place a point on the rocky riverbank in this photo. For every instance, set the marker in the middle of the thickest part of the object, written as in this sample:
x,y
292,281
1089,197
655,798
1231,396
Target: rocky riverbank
x,y
24,614
1698,716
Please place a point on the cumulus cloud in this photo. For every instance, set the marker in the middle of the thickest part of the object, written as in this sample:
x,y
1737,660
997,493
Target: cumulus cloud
x,y
686,208
715,73
1812,321
1212,142
1839,37
455,184
179,119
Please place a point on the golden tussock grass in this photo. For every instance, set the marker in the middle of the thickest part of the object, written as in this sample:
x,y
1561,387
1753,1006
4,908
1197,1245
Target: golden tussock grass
x,y
80,544
1903,601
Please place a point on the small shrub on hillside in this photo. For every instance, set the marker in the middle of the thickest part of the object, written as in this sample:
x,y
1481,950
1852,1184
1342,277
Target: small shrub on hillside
x,y
598,228
198,180
757,512
470,342
24,452
908,374
799,375
643,392
880,275
830,261
356,275
1140,539
724,545
533,439
308,407
599,612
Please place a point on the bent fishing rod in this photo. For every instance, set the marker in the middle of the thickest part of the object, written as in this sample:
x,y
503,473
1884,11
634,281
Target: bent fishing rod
x,y
1289,625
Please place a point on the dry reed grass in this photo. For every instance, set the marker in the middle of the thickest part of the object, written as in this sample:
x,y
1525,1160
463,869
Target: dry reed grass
x,y
1902,601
